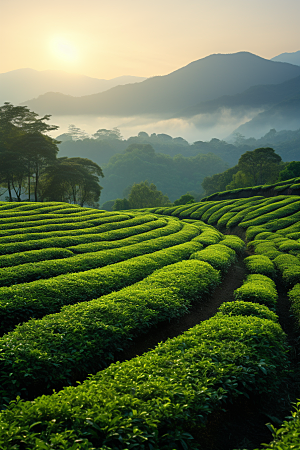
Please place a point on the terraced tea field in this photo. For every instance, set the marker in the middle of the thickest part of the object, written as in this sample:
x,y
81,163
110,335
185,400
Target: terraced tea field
x,y
82,288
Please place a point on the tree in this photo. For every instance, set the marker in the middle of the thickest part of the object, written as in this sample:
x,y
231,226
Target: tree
x,y
145,195
103,134
292,170
121,204
75,180
184,199
76,133
24,147
261,165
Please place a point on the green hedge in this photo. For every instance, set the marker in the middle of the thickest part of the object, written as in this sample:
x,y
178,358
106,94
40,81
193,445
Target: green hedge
x,y
150,230
239,216
17,228
260,264
289,267
21,302
159,399
209,236
203,206
266,248
60,348
219,256
294,296
26,273
234,242
291,206
34,256
108,224
40,218
258,289
240,308
107,232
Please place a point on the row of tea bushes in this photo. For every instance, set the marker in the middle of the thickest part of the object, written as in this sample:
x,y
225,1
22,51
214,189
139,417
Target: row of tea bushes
x,y
52,219
161,399
39,208
21,302
258,288
26,273
219,256
109,224
157,228
22,220
70,225
113,231
260,264
61,348
34,256
150,230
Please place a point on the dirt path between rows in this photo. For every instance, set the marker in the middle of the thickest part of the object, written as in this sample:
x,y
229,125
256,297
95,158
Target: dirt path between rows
x,y
200,311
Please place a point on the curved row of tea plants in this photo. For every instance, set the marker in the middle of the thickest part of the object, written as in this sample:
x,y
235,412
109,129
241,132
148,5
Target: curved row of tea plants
x,y
61,348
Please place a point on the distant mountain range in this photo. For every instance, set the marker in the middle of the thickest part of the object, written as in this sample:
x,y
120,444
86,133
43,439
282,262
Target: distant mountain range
x,y
200,81
19,85
256,97
282,116
292,58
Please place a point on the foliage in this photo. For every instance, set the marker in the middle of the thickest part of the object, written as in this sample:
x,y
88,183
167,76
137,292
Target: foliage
x,y
219,256
159,398
47,352
240,308
260,264
291,170
184,199
145,195
74,180
258,289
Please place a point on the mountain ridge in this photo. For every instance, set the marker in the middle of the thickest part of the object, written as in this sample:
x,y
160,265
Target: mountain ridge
x,y
202,80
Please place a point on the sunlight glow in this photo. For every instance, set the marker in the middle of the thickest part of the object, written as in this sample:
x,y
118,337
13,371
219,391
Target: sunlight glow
x,y
64,50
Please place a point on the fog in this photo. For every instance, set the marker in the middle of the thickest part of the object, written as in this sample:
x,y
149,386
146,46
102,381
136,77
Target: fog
x,y
202,127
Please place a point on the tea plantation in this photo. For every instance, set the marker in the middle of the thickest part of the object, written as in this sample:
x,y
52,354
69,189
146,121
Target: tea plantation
x,y
78,286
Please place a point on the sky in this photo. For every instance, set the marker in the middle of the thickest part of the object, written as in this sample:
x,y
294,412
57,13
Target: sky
x,y
111,38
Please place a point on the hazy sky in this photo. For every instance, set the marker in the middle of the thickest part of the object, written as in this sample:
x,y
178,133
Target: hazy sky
x,y
109,38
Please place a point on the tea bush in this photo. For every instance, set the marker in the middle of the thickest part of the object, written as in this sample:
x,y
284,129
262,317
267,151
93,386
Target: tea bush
x,y
21,302
260,264
156,400
219,256
258,289
240,308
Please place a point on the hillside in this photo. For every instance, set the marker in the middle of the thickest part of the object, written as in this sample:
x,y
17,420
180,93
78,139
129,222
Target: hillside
x,y
194,368
19,85
256,97
202,80
291,58
282,116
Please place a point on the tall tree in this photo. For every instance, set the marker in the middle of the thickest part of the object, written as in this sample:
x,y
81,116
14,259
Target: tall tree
x,y
24,147
262,165
75,180
145,195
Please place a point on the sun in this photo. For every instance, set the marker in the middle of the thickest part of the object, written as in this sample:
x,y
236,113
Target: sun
x,y
64,50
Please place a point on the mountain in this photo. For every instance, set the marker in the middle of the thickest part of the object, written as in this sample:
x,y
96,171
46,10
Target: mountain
x,y
256,97
202,80
282,116
18,85
292,58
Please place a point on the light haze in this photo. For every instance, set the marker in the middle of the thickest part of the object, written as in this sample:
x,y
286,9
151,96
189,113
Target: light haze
x,y
106,39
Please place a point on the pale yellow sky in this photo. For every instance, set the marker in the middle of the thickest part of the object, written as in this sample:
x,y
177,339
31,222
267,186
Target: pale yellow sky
x,y
110,38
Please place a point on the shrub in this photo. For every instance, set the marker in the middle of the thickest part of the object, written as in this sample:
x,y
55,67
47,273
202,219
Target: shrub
x,y
83,338
20,302
289,267
240,308
258,289
154,399
234,242
219,256
260,264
